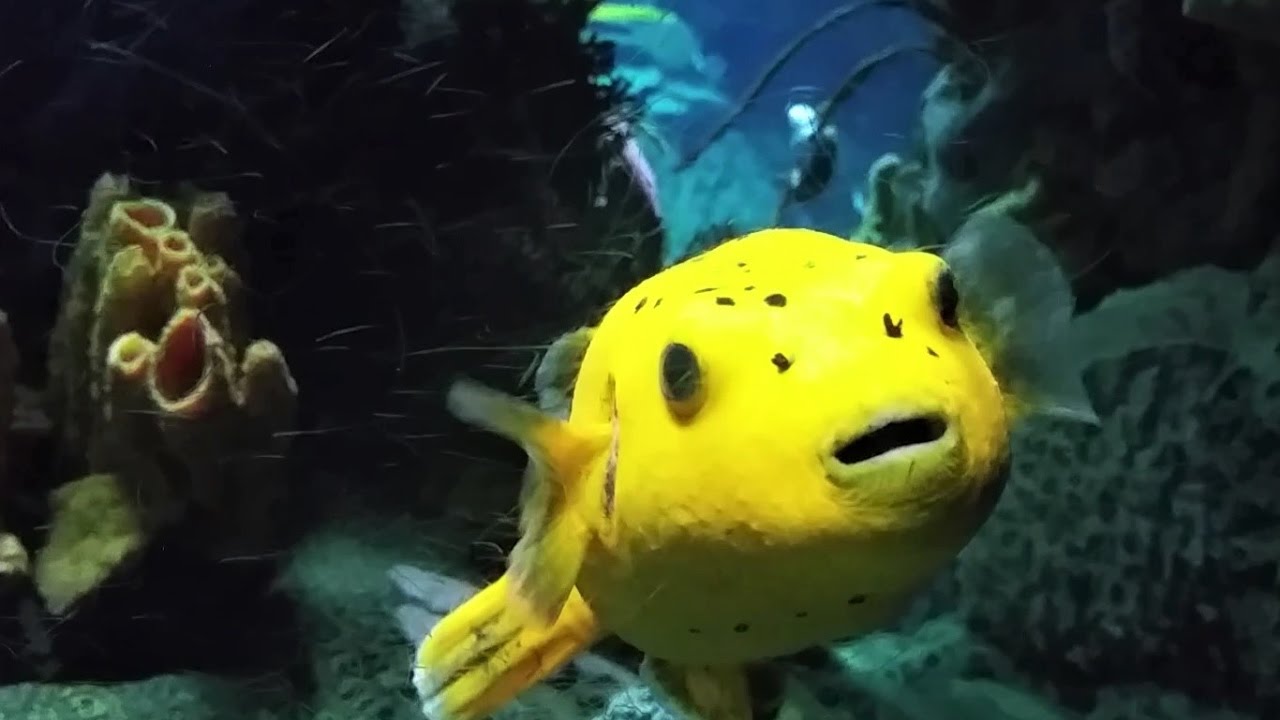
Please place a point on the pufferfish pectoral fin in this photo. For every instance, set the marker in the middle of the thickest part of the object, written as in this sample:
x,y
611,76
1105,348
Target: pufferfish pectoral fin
x,y
557,373
1017,305
481,655
717,692
553,535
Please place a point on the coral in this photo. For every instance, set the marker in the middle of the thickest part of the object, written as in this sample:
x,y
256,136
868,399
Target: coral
x,y
96,528
393,189
894,215
156,391
1143,550
393,186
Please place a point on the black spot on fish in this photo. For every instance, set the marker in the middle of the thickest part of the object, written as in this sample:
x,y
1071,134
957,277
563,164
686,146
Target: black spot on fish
x,y
724,301
857,599
776,300
695,631
749,288
781,362
741,264
641,304
932,351
741,627
859,257
810,265
657,302
892,329
704,290
802,614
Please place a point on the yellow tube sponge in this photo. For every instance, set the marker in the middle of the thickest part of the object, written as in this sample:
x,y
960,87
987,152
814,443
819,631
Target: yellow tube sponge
x,y
160,399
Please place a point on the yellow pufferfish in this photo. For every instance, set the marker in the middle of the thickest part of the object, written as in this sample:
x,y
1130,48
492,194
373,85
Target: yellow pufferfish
x,y
770,446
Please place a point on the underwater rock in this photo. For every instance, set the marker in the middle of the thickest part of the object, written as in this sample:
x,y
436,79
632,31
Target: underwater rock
x,y
1140,123
1254,18
963,121
160,400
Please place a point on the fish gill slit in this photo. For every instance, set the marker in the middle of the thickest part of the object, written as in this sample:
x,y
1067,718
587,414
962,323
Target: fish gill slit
x,y
611,462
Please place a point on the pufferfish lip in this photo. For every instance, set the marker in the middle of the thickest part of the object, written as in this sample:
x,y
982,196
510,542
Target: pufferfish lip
x,y
890,435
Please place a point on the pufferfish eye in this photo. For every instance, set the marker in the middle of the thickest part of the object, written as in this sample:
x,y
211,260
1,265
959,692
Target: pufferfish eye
x,y
947,299
681,380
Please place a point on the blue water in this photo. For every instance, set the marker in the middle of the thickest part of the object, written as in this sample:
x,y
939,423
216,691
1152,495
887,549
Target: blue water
x,y
876,118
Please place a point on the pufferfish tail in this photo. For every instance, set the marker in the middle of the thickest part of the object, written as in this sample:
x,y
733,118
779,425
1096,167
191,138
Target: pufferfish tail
x,y
479,657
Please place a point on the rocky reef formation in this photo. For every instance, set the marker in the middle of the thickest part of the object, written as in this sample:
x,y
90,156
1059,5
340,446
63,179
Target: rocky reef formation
x,y
1141,553
166,411
1131,137
1146,127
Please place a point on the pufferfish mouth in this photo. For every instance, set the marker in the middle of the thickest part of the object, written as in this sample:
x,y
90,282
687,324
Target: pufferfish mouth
x,y
890,435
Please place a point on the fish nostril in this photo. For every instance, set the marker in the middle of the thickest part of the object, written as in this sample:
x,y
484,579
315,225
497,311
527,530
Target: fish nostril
x,y
892,435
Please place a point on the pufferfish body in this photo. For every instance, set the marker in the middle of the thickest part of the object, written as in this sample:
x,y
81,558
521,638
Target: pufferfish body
x,y
770,446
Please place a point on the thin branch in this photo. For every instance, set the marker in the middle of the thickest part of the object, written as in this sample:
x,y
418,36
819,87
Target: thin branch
x,y
754,91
